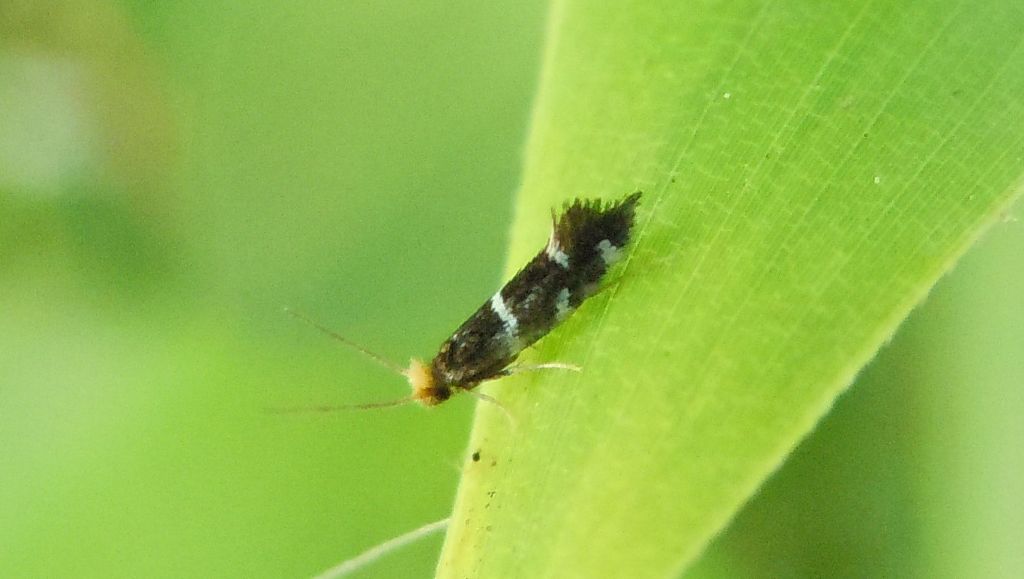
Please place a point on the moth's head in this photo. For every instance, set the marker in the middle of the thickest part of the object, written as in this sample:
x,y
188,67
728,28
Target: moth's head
x,y
425,389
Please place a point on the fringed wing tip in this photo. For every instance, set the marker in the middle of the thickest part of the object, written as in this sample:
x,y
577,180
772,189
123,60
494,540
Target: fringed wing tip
x,y
599,206
579,211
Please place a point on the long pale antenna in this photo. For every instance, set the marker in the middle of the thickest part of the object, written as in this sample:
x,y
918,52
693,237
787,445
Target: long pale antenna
x,y
371,355
367,406
367,557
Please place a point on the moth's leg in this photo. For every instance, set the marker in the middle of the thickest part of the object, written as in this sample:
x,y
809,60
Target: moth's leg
x,y
494,401
548,366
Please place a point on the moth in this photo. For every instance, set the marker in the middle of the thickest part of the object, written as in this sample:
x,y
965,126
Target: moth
x,y
586,239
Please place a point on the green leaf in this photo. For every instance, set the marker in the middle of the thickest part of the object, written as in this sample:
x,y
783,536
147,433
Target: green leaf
x,y
809,173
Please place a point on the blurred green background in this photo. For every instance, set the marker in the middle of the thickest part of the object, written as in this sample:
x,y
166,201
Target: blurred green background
x,y
172,175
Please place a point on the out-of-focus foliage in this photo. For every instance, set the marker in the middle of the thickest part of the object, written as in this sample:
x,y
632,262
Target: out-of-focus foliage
x,y
171,176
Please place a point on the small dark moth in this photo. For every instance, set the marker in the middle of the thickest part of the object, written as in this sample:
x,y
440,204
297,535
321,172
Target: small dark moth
x,y
586,239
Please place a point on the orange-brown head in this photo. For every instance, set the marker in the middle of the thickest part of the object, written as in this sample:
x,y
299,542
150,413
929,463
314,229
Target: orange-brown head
x,y
425,388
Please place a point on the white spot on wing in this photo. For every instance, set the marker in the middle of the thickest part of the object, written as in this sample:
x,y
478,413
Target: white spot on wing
x,y
609,253
562,308
506,317
555,252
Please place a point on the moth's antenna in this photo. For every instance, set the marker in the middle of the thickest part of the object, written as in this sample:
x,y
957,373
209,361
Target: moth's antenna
x,y
371,355
367,406
367,557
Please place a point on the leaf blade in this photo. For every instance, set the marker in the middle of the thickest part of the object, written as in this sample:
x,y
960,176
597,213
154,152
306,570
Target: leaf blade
x,y
809,175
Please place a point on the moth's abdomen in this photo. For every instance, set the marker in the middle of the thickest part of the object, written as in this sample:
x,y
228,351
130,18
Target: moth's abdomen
x,y
585,242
